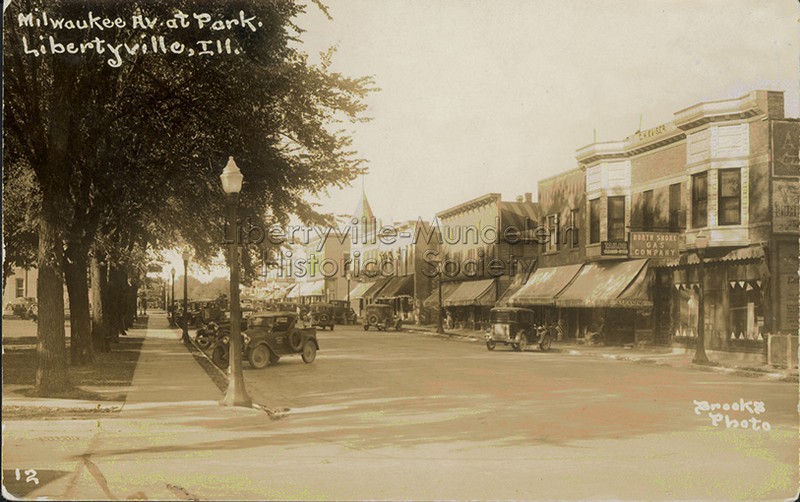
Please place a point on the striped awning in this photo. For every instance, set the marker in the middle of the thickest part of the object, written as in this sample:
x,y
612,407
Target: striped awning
x,y
545,285
473,293
316,288
377,287
361,288
432,301
622,284
398,286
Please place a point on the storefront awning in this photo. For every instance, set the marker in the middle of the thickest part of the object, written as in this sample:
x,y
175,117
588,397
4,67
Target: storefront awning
x,y
448,288
689,258
316,288
377,287
398,286
478,293
361,288
545,285
621,284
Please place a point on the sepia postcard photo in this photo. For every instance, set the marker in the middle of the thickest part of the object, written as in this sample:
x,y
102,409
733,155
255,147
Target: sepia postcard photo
x,y
400,250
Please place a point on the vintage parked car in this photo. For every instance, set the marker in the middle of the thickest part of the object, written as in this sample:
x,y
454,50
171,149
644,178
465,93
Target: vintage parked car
x,y
516,327
342,313
322,315
269,336
382,316
22,307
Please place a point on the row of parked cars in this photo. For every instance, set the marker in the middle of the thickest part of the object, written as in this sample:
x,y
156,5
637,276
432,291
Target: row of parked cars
x,y
22,308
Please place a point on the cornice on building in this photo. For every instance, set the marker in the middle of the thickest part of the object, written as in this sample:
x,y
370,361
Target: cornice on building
x,y
489,198
697,115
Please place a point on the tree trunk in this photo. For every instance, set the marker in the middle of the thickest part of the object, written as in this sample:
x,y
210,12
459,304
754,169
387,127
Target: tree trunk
x,y
117,293
51,350
81,351
100,326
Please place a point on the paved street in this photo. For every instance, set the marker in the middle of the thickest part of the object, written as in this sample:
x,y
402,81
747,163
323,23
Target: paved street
x,y
384,415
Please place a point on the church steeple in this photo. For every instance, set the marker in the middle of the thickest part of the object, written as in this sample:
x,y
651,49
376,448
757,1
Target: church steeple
x,y
363,213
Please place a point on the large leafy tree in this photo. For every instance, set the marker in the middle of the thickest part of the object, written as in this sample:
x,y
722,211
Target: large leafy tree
x,y
125,159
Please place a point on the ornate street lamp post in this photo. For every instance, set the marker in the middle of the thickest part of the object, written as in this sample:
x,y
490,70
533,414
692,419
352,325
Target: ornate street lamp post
x,y
700,356
172,299
440,320
235,395
185,255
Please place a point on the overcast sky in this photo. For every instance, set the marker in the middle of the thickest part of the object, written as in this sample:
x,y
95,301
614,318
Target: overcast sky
x,y
491,96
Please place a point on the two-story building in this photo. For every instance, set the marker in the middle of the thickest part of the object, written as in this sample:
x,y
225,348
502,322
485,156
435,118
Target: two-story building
x,y
485,244
388,261
720,181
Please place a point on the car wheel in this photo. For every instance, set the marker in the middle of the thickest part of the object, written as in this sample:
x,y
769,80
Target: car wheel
x,y
490,345
220,357
366,327
544,345
259,356
296,340
515,346
309,352
373,319
523,341
203,341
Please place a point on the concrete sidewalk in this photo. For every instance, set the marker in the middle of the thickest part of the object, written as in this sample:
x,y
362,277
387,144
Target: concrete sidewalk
x,y
170,414
662,356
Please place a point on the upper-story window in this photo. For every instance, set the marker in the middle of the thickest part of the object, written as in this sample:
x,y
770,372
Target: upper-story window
x,y
594,221
675,207
552,229
730,197
616,218
647,211
572,238
20,288
700,200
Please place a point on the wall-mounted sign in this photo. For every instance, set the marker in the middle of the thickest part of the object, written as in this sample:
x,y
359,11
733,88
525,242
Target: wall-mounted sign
x,y
786,149
614,248
785,206
654,245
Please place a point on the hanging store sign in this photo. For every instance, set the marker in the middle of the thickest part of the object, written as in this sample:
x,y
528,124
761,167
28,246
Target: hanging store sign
x,y
614,248
786,149
785,206
654,245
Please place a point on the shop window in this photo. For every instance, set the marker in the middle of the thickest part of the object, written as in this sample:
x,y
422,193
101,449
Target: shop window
x,y
675,207
616,218
20,288
730,196
699,200
552,229
745,313
687,313
594,221
647,211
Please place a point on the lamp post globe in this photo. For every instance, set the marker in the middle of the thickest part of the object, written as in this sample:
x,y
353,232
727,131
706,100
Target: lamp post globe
x,y
700,357
236,394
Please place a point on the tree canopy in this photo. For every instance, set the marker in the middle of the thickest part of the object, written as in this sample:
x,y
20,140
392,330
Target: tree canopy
x,y
117,147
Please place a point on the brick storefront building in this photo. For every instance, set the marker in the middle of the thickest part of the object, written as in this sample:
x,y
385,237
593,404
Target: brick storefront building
x,y
726,171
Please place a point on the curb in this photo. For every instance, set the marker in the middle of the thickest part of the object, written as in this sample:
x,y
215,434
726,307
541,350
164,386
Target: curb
x,y
743,371
220,379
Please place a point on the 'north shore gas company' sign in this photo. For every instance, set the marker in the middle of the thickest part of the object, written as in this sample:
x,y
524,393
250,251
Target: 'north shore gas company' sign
x,y
653,245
